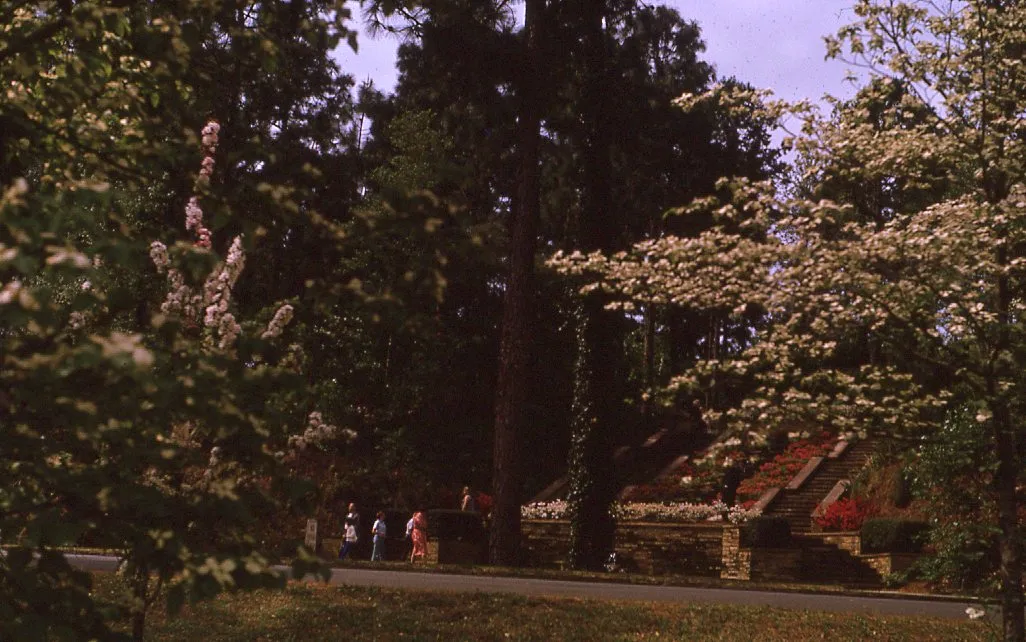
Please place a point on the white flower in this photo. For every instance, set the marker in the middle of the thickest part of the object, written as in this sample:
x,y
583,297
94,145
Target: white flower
x,y
317,432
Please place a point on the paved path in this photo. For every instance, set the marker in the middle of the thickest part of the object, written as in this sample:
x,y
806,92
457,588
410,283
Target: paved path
x,y
610,591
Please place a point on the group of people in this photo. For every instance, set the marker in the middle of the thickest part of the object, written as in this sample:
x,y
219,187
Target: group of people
x,y
416,535
416,530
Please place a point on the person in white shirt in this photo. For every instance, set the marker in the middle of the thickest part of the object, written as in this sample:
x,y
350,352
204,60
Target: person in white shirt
x,y
351,534
409,536
379,530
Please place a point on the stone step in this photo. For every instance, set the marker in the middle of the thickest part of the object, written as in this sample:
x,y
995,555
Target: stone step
x,y
797,505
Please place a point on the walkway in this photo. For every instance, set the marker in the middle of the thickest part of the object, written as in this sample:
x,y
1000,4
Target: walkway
x,y
892,605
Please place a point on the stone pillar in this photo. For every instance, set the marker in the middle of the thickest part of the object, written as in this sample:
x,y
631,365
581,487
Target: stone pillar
x,y
737,563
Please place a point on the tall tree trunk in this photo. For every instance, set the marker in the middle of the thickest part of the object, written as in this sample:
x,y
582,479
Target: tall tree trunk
x,y
591,474
515,347
596,391
140,592
1006,478
1009,541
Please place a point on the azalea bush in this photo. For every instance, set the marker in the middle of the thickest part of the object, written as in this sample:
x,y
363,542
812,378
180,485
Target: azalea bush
x,y
846,514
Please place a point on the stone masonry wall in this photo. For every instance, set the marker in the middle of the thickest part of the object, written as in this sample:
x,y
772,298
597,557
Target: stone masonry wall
x,y
642,547
736,561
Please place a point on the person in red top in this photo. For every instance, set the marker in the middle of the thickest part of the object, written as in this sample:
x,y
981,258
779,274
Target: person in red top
x,y
419,536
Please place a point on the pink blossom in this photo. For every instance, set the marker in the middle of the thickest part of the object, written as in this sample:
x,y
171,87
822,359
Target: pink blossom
x,y
204,238
278,323
193,215
158,254
209,133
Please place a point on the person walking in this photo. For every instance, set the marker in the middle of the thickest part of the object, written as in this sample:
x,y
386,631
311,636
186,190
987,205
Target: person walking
x,y
380,530
351,532
418,533
468,503
409,537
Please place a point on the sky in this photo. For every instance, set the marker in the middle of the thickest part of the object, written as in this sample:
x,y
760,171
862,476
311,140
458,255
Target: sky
x,y
772,44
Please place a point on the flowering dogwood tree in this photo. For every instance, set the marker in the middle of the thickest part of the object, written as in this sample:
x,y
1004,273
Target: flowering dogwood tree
x,y
940,287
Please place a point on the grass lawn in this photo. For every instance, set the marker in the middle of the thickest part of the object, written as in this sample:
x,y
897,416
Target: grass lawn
x,y
311,613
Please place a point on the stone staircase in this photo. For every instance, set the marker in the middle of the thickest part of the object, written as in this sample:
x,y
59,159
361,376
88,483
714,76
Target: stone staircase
x,y
820,480
825,559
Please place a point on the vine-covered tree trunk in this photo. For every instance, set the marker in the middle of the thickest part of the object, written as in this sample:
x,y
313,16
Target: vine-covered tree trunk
x,y
517,314
592,484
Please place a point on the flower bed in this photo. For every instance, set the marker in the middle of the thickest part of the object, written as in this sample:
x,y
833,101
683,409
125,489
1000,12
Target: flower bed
x,y
700,480
682,512
777,472
691,493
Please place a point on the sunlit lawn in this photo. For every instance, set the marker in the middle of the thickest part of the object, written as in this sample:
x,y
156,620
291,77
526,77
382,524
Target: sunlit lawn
x,y
311,613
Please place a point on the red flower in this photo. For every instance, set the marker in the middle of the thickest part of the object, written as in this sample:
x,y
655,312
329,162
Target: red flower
x,y
845,515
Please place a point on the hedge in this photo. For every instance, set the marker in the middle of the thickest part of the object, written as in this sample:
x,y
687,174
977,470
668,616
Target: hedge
x,y
766,532
893,535
455,524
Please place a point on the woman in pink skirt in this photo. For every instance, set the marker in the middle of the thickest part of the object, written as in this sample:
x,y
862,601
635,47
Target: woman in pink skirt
x,y
419,536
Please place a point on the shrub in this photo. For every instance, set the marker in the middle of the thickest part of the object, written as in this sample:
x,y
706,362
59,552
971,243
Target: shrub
x,y
893,536
953,477
766,532
844,515
454,524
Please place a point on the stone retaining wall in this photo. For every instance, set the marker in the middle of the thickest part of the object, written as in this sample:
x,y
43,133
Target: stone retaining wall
x,y
886,563
849,541
651,548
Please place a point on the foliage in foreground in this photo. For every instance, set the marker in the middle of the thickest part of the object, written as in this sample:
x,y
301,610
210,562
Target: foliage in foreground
x,y
314,613
108,409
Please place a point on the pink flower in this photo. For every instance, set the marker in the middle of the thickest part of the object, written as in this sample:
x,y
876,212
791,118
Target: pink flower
x,y
278,323
193,215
